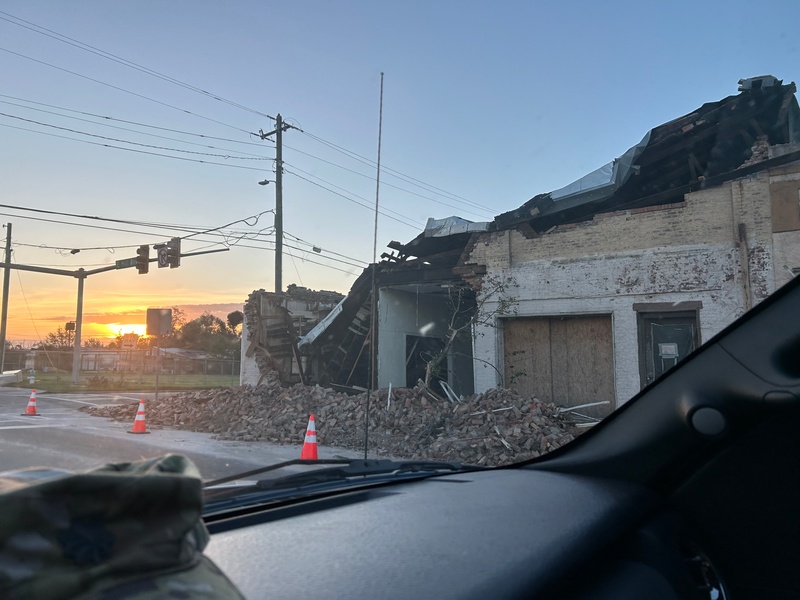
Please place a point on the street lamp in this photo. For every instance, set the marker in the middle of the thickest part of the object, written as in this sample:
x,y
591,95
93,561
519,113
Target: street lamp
x,y
265,182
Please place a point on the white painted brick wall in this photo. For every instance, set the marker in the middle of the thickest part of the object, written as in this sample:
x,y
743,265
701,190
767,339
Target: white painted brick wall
x,y
611,285
684,252
786,253
248,372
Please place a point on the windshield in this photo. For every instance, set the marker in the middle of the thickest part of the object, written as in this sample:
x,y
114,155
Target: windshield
x,y
257,232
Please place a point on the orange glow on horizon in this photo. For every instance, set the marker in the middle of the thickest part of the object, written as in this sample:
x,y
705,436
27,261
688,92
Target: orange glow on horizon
x,y
115,329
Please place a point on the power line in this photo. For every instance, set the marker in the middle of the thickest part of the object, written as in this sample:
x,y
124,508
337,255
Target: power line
x,y
357,157
171,227
192,230
136,131
46,247
116,87
328,266
107,118
103,137
296,270
125,62
388,216
315,247
109,56
204,162
30,314
137,223
213,229
386,184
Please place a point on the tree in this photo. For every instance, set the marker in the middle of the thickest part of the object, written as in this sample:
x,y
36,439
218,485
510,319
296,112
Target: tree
x,y
58,340
235,319
93,343
210,334
171,339
178,318
469,310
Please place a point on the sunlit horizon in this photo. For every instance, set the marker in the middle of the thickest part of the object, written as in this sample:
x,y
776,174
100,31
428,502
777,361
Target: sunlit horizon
x,y
116,329
100,325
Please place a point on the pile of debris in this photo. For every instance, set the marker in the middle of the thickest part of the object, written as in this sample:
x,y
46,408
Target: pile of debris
x,y
494,428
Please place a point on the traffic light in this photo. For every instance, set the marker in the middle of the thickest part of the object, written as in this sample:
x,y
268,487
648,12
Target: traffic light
x,y
174,252
143,259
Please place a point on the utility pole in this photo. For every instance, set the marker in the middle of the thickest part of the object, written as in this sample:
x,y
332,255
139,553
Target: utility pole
x,y
280,127
278,204
4,316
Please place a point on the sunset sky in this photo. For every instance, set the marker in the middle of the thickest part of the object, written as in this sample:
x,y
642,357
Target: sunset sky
x,y
130,122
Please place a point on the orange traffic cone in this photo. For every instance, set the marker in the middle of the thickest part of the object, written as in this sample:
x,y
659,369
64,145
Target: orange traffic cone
x,y
139,425
309,451
31,410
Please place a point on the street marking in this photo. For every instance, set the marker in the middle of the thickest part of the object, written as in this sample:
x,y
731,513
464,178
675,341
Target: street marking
x,y
67,400
28,426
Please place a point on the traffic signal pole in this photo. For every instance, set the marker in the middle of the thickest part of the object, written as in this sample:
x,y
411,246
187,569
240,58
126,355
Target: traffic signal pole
x,y
81,274
4,316
76,351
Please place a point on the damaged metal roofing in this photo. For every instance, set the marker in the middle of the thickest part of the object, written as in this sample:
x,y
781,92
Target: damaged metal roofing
x,y
702,148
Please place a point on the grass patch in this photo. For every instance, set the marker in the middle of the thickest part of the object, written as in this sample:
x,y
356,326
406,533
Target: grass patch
x,y
112,381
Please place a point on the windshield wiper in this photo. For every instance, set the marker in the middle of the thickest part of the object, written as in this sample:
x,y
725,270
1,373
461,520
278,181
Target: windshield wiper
x,y
275,467
351,468
359,468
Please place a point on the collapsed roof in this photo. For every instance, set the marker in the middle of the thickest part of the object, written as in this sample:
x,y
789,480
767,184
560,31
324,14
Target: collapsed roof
x,y
717,142
702,148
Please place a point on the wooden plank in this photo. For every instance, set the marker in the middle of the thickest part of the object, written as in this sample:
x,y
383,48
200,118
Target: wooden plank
x,y
526,343
541,364
785,196
251,346
590,363
566,360
559,353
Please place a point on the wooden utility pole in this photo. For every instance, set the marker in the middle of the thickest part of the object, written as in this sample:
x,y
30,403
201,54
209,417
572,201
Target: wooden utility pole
x,y
280,127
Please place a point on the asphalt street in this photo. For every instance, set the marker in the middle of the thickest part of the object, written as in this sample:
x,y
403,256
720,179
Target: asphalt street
x,y
63,437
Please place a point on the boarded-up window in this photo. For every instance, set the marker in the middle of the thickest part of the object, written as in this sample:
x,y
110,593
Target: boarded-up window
x,y
565,360
785,206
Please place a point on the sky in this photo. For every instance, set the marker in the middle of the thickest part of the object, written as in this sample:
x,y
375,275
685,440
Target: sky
x,y
131,122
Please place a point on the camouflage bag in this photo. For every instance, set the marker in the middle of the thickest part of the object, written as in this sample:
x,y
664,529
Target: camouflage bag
x,y
124,531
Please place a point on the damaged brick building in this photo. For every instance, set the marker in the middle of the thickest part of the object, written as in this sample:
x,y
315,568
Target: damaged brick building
x,y
617,276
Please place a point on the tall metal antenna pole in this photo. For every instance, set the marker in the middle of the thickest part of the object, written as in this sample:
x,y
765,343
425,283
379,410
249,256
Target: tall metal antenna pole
x,y
278,204
374,312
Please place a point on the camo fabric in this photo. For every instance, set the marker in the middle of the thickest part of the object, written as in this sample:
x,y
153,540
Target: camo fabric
x,y
124,532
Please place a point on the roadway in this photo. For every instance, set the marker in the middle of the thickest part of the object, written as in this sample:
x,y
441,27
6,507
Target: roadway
x,y
63,437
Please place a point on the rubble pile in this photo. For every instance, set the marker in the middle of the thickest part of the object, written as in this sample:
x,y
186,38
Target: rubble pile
x,y
494,428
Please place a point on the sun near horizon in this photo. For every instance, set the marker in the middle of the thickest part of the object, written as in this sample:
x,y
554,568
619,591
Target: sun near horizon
x,y
116,329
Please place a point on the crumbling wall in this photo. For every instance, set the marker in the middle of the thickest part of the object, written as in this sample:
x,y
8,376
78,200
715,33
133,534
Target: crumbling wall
x,y
272,323
688,251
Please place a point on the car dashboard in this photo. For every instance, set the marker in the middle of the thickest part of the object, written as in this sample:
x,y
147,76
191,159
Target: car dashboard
x,y
506,533
690,490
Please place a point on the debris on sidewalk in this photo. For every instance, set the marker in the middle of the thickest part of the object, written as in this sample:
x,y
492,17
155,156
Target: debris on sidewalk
x,y
493,428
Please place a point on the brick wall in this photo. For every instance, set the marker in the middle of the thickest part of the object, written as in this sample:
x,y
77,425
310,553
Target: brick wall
x,y
675,253
249,373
